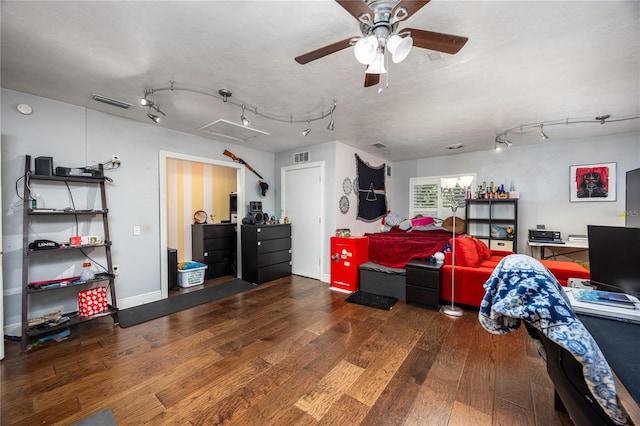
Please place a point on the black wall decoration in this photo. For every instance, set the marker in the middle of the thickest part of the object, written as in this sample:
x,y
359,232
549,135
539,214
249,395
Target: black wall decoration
x,y
372,198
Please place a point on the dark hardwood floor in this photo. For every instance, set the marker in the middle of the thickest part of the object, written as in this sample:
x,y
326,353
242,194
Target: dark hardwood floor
x,y
288,352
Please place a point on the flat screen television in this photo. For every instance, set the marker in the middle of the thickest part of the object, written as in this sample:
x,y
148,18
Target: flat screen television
x,y
614,258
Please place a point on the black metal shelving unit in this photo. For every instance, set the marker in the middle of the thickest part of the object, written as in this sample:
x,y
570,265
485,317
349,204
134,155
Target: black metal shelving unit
x,y
31,289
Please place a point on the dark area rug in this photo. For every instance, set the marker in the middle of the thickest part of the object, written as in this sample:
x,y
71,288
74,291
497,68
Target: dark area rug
x,y
170,305
372,300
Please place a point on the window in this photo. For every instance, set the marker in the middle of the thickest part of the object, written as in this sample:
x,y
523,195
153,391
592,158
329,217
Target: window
x,y
426,197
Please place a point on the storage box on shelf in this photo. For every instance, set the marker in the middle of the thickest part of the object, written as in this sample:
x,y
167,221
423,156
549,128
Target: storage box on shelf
x,y
38,254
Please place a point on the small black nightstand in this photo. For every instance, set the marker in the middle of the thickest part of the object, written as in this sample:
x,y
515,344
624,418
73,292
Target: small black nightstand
x,y
423,283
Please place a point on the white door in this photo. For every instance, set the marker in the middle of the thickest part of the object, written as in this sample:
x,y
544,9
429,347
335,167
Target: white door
x,y
303,203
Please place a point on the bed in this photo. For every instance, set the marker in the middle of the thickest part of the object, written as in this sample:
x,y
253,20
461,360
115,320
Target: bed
x,y
389,253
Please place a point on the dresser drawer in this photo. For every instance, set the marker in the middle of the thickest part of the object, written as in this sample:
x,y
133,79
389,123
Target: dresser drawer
x,y
425,274
267,259
269,246
423,296
501,245
270,232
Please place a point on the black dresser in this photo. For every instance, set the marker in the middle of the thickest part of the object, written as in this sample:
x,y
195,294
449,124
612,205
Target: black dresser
x,y
266,252
215,245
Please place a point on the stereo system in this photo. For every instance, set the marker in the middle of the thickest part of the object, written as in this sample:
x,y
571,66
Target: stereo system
x,y
255,216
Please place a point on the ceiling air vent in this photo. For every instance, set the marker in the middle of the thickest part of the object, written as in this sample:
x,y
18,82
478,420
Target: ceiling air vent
x,y
110,101
301,157
231,130
378,145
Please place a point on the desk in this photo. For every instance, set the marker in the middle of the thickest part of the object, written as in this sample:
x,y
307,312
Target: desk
x,y
538,253
618,341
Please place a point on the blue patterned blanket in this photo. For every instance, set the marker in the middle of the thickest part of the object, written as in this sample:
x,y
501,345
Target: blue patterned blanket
x,y
522,289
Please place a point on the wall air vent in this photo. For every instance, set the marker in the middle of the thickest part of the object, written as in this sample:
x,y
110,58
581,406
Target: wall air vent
x,y
301,157
231,130
110,101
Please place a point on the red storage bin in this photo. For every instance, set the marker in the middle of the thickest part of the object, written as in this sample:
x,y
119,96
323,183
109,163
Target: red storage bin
x,y
347,254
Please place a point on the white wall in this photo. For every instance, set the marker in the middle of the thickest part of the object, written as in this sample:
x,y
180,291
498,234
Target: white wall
x,y
75,136
541,173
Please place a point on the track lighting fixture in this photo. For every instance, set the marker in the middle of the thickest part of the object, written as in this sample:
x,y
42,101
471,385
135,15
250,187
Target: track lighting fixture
x,y
225,95
306,131
245,121
501,139
543,136
331,123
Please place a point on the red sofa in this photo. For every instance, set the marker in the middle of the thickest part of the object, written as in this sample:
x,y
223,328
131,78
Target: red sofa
x,y
470,279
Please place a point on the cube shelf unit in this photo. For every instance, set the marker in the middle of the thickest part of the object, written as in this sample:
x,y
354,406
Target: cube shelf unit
x,y
481,214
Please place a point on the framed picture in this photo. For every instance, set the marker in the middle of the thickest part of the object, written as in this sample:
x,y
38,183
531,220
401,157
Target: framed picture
x,y
593,182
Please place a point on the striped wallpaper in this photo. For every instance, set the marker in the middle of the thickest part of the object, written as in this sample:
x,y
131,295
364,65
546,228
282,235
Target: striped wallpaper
x,y
193,186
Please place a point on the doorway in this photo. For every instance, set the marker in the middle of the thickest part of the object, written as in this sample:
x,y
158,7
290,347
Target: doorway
x,y
303,203
164,155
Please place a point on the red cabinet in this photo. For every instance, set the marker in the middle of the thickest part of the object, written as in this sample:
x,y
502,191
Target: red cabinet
x,y
347,254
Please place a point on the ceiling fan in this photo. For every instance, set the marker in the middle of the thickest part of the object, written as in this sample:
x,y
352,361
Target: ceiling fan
x,y
379,20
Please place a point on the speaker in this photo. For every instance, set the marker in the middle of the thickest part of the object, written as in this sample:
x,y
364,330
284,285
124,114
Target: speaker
x,y
44,166
173,268
255,206
257,218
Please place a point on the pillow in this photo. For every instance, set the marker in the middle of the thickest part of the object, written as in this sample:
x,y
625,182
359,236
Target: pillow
x,y
421,221
484,253
466,252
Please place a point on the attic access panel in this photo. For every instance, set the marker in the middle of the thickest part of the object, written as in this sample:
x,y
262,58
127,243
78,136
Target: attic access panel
x,y
231,130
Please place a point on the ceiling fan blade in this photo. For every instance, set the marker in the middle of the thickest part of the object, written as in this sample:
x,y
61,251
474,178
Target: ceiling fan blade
x,y
371,79
324,51
355,7
412,6
440,42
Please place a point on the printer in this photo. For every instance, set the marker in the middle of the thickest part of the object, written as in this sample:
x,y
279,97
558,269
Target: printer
x,y
544,236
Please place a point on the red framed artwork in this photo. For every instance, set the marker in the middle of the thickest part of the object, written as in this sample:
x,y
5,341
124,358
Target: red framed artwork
x,y
593,182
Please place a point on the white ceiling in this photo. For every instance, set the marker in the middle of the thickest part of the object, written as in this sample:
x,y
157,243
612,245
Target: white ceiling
x,y
525,62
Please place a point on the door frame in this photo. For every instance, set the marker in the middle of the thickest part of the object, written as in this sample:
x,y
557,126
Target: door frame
x,y
283,181
240,177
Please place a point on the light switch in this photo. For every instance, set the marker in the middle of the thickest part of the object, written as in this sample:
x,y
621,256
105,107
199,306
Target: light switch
x,y
137,230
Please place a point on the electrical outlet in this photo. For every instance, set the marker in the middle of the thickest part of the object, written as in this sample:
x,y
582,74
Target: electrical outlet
x,y
116,269
137,230
115,159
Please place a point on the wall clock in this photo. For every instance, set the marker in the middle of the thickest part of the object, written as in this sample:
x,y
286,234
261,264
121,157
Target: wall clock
x,y
344,204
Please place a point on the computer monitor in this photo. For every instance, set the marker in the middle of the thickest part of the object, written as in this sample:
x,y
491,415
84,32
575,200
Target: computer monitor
x,y
614,258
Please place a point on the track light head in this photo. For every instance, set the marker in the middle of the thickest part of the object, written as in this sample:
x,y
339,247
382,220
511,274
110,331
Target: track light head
x,y
331,125
507,143
153,117
144,101
305,132
543,136
245,120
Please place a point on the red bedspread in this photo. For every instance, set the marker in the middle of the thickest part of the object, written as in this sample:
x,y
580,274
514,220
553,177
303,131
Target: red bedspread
x,y
396,247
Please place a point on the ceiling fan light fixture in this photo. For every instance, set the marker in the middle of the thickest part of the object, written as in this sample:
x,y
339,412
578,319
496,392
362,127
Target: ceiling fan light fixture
x,y
365,49
377,66
399,47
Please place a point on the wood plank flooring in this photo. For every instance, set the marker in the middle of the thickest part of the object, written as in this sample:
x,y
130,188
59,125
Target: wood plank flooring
x,y
288,352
